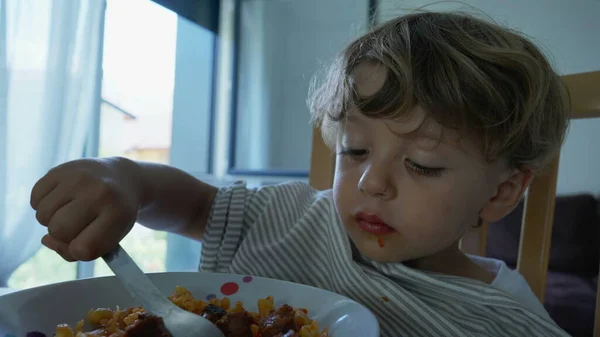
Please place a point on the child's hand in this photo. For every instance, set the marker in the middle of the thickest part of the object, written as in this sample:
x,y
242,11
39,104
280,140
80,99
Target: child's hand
x,y
88,207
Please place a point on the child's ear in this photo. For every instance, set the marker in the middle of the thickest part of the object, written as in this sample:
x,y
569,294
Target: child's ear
x,y
507,196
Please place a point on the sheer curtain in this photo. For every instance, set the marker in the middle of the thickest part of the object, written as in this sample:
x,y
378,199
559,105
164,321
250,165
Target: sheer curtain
x,y
50,77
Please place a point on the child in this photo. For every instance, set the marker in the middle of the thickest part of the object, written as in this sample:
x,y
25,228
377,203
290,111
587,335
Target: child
x,y
439,121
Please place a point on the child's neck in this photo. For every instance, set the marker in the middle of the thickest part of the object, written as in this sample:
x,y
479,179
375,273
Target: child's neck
x,y
453,261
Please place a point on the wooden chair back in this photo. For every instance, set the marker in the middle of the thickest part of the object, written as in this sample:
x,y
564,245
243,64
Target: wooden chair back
x,y
536,230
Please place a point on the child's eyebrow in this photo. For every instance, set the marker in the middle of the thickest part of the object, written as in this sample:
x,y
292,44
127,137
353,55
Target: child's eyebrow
x,y
453,143
430,135
427,133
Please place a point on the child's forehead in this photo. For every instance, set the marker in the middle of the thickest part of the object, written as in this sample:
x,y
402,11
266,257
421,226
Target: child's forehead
x,y
419,125
369,77
417,122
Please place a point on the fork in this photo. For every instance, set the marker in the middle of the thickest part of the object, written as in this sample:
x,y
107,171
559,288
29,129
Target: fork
x,y
179,322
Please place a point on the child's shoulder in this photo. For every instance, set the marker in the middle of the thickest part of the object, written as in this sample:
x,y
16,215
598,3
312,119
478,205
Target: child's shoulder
x,y
288,200
273,209
512,283
296,192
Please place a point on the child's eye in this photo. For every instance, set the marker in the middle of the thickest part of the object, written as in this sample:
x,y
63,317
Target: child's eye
x,y
353,153
424,170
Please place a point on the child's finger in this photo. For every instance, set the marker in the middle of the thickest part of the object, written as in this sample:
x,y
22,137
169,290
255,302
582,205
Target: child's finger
x,y
71,219
51,203
41,189
99,237
60,248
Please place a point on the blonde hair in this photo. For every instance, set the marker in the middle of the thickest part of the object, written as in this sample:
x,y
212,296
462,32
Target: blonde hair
x,y
469,74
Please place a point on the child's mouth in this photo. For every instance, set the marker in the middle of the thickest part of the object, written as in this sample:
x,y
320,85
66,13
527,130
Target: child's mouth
x,y
371,223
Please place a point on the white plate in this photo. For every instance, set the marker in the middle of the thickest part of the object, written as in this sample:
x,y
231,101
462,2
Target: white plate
x,y
43,308
4,291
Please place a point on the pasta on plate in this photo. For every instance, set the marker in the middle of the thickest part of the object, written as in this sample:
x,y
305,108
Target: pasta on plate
x,y
234,320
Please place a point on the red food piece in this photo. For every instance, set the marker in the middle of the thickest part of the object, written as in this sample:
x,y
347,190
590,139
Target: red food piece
x,y
279,322
148,326
236,324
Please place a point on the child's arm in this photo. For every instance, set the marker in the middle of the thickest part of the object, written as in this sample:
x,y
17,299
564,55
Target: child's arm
x,y
90,205
171,200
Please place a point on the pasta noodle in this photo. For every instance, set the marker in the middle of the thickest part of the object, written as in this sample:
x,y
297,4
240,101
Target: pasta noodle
x,y
268,321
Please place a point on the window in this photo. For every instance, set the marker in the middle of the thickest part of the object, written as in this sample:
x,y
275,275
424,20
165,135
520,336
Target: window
x,y
137,113
156,100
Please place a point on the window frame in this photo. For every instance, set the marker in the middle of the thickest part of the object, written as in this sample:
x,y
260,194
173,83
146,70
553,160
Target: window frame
x,y
233,111
232,170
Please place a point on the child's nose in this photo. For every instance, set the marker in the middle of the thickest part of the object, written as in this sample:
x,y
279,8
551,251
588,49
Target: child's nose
x,y
375,182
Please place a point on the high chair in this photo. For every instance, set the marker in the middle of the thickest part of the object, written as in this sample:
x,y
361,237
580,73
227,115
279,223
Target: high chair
x,y
536,230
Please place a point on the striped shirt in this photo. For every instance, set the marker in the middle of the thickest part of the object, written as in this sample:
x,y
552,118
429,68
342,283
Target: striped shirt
x,y
292,232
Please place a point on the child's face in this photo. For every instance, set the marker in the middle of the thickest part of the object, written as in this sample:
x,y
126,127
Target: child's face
x,y
406,190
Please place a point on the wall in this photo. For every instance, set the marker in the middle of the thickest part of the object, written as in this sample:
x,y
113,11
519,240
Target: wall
x,y
568,30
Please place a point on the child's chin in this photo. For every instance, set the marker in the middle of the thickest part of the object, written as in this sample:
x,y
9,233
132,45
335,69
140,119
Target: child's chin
x,y
374,251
